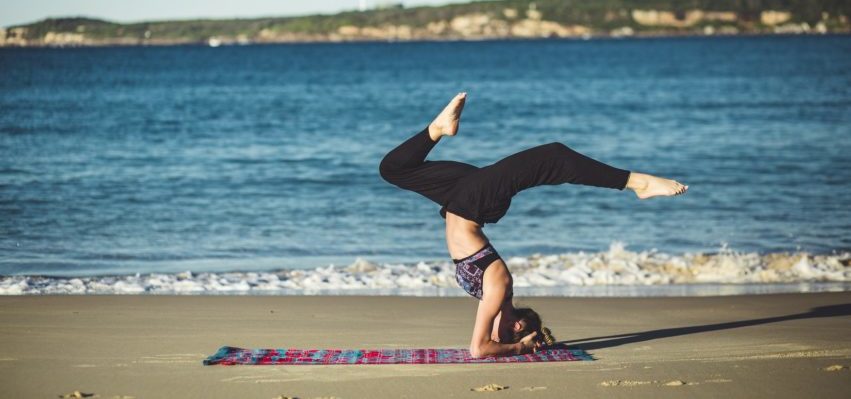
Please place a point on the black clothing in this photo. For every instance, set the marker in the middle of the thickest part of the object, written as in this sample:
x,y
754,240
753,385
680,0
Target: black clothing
x,y
483,195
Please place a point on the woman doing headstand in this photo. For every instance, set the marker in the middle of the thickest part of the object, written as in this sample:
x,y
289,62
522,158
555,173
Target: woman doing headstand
x,y
470,197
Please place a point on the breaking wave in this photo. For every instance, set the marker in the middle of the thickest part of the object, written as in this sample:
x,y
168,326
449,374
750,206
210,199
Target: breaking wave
x,y
615,272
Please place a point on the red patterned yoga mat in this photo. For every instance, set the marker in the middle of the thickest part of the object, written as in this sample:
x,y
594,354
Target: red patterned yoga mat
x,y
228,355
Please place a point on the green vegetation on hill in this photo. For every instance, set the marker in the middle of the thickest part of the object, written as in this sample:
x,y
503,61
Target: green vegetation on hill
x,y
597,16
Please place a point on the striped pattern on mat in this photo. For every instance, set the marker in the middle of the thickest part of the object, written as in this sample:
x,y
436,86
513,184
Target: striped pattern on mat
x,y
228,355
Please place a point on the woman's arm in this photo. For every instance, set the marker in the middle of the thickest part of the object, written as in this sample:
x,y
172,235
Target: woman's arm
x,y
493,295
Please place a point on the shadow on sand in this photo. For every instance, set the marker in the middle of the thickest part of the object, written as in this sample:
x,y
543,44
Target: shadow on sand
x,y
629,338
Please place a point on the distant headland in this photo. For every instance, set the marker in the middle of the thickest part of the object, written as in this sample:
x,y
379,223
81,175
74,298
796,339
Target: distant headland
x,y
480,20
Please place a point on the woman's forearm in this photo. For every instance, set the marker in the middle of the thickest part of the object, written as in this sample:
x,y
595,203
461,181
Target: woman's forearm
x,y
492,348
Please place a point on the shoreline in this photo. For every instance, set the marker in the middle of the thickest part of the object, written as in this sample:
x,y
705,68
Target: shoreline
x,y
612,291
640,36
785,345
616,272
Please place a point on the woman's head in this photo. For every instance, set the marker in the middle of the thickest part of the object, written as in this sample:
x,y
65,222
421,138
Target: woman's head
x,y
528,321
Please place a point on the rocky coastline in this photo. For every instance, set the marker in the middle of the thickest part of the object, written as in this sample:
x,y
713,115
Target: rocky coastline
x,y
505,23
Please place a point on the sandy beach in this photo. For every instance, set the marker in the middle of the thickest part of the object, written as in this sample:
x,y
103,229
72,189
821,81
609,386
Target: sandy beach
x,y
789,345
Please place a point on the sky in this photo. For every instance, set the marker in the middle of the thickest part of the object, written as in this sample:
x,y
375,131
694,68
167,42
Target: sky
x,y
25,11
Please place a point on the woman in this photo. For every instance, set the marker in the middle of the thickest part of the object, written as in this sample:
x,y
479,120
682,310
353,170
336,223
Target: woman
x,y
470,197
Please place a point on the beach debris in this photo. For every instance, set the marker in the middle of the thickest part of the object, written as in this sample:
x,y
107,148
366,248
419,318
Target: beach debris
x,y
835,367
626,383
533,388
77,394
489,388
675,383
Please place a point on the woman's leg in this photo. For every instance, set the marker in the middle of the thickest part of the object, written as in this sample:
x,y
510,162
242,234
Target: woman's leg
x,y
405,166
555,163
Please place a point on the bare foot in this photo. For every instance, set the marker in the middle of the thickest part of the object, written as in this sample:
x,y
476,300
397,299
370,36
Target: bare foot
x,y
646,186
446,124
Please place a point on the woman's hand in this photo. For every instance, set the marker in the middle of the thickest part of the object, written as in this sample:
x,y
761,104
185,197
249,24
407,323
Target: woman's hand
x,y
528,344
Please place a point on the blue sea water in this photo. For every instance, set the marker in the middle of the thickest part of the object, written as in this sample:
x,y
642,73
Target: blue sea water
x,y
142,159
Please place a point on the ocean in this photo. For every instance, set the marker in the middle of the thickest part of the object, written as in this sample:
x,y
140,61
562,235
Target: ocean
x,y
243,169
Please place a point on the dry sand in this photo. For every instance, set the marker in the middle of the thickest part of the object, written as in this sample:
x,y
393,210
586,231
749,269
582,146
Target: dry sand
x,y
777,346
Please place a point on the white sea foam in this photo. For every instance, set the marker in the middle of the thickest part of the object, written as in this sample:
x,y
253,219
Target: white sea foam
x,y
630,273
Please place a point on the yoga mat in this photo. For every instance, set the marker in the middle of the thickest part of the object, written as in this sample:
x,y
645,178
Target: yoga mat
x,y
228,355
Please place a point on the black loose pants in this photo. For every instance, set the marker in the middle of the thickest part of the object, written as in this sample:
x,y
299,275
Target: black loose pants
x,y
483,195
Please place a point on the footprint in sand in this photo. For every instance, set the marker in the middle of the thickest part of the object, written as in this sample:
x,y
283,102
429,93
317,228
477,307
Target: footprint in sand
x,y
489,388
626,383
632,383
835,367
77,394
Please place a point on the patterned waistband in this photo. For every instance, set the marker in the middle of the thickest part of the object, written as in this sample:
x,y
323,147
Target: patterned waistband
x,y
487,254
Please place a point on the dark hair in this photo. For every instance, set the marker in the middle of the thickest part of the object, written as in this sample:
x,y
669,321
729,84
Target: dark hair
x,y
533,323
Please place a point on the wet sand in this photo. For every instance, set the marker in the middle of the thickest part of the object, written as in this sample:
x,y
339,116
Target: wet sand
x,y
788,345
